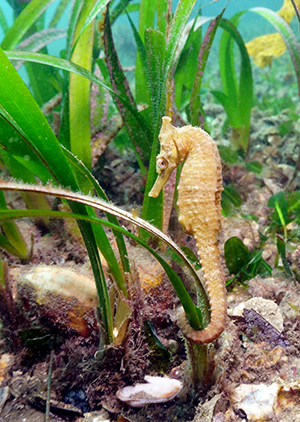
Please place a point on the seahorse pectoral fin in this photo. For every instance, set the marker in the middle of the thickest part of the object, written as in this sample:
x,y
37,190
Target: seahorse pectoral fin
x,y
160,182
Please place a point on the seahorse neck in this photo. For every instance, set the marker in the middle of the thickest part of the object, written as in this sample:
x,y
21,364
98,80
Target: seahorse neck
x,y
187,141
202,159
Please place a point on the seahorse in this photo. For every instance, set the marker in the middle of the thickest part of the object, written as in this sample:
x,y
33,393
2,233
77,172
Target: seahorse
x,y
199,205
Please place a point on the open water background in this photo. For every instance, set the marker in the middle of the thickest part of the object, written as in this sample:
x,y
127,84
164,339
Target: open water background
x,y
250,26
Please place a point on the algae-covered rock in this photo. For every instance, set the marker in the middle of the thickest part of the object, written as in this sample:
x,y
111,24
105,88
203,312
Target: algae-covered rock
x,y
58,297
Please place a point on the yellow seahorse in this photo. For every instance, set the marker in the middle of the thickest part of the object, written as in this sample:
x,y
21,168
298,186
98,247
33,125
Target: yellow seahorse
x,y
199,204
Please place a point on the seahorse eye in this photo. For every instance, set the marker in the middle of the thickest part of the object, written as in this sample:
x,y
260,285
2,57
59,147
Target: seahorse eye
x,y
162,163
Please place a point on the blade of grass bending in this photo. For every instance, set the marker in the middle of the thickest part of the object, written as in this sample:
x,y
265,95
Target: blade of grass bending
x,y
39,40
181,291
47,85
71,67
197,117
20,109
287,34
191,29
23,22
231,110
119,213
21,151
9,247
99,191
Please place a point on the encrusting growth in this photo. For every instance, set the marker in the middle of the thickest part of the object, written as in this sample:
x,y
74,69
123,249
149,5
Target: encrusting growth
x,y
199,204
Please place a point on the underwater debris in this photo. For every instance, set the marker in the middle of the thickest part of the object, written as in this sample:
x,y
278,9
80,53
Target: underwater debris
x,y
157,390
266,47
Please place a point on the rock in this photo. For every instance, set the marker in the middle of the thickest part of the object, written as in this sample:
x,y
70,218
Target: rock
x,y
278,401
59,295
257,401
265,307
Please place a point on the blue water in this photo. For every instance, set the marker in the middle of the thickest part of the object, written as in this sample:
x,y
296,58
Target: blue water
x,y
56,46
235,6
212,9
251,25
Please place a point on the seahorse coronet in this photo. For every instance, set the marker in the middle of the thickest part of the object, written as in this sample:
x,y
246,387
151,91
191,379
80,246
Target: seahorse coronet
x,y
199,204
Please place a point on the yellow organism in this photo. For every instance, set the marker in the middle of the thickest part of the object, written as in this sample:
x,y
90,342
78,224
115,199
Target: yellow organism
x,y
263,49
199,204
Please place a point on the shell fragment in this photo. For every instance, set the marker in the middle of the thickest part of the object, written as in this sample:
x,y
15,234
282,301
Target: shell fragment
x,y
156,390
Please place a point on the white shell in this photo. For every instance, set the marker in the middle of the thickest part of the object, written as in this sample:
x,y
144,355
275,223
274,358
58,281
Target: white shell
x,y
157,390
256,400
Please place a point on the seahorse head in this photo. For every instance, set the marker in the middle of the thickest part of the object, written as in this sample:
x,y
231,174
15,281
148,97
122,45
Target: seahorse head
x,y
169,156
